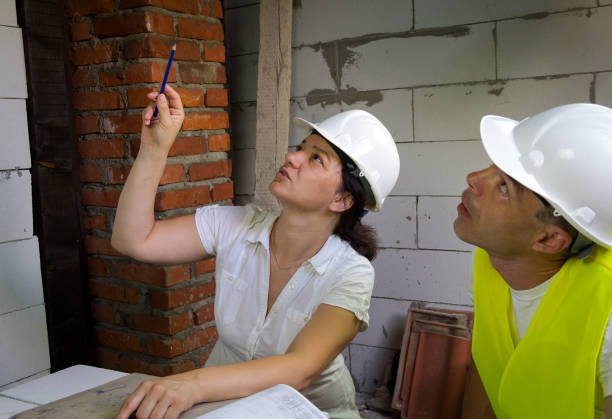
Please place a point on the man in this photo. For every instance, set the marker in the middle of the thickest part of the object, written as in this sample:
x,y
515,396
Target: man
x,y
541,217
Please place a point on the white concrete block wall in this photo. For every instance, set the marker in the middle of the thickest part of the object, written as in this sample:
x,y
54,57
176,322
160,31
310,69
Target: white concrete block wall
x,y
564,43
241,19
464,55
436,13
8,15
13,80
15,151
21,266
338,22
310,71
16,207
453,112
435,215
430,69
24,348
241,29
603,89
437,168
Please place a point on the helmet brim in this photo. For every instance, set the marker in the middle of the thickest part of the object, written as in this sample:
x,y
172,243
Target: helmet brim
x,y
497,135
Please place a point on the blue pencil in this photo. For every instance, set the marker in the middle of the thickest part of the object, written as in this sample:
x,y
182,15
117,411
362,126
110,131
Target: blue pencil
x,y
163,86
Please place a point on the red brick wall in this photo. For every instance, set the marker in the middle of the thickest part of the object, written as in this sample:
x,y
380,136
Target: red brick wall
x,y
149,318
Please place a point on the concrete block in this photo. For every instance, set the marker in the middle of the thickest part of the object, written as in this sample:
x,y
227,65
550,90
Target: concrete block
x,y
368,365
603,88
13,80
465,54
242,73
20,278
423,275
394,109
242,30
396,224
561,43
24,349
243,123
14,139
437,13
310,72
243,168
438,168
443,113
315,112
605,2
436,216
316,21
16,205
8,14
387,320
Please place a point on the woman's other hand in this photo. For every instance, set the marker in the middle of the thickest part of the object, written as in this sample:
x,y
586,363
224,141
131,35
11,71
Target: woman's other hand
x,y
161,131
160,398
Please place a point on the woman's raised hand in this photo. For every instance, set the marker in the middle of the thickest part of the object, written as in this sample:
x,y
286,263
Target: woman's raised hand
x,y
161,131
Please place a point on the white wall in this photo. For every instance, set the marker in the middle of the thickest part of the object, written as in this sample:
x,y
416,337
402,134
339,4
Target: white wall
x,y
24,348
429,69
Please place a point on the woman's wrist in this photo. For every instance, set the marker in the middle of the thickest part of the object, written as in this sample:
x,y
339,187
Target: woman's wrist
x,y
152,152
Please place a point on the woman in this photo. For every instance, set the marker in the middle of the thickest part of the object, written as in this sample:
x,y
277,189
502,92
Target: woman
x,y
293,288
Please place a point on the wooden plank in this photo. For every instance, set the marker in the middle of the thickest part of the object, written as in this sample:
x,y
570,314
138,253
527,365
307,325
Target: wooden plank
x,y
273,92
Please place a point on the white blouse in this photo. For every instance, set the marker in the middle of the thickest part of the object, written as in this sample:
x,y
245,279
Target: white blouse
x,y
336,275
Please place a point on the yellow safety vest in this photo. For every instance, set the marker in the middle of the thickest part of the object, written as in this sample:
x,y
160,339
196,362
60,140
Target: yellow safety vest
x,y
551,373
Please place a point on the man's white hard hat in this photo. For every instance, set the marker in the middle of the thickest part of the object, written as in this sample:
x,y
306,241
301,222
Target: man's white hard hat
x,y
370,146
563,154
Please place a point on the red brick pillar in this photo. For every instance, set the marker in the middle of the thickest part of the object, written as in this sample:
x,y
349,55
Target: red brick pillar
x,y
149,318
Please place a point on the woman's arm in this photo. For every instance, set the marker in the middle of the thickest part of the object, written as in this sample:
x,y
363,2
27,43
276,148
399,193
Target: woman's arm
x,y
326,334
136,233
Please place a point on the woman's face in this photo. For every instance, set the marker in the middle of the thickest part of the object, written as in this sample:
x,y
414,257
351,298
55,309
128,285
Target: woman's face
x,y
311,177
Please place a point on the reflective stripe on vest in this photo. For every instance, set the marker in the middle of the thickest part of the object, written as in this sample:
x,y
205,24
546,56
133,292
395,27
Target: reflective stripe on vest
x,y
551,373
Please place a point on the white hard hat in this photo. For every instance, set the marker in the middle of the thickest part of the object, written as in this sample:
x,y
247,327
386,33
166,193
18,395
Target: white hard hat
x,y
368,143
563,154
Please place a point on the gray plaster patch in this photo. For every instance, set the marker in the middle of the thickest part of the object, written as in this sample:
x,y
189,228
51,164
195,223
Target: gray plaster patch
x,y
350,96
338,54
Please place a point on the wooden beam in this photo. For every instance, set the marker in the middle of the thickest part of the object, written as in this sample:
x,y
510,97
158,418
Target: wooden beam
x,y
273,92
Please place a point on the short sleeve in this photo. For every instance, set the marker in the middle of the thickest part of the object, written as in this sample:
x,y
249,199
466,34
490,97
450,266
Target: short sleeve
x,y
216,223
353,290
605,361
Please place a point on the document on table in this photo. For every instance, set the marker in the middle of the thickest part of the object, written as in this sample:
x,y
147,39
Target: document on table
x,y
277,402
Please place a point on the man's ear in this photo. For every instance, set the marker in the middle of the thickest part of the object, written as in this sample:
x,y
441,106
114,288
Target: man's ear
x,y
552,239
342,202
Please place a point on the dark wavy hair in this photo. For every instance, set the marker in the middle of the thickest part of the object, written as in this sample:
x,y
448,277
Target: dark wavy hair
x,y
361,237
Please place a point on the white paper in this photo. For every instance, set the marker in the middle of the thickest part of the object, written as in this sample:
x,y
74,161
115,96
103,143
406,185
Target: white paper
x,y
278,402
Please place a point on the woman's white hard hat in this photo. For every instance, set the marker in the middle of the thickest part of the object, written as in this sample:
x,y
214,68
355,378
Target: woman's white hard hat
x,y
368,143
563,154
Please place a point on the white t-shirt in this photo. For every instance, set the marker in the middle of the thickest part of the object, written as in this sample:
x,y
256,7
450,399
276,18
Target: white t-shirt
x,y
525,303
336,275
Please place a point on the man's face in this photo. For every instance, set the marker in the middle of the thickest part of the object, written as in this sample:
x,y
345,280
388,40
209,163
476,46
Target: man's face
x,y
497,213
